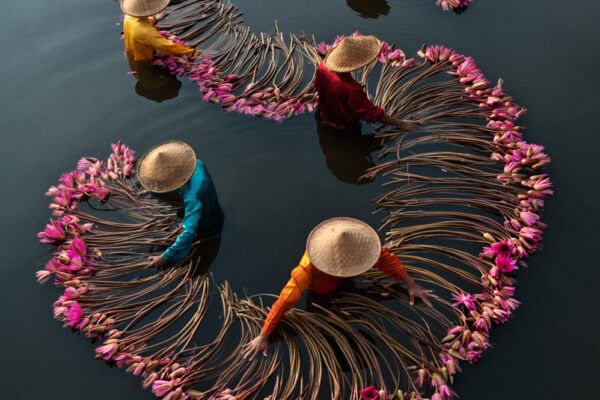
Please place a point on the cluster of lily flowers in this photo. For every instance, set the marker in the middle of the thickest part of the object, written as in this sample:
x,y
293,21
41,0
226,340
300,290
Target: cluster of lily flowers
x,y
484,310
453,4
269,102
218,88
73,260
163,376
463,342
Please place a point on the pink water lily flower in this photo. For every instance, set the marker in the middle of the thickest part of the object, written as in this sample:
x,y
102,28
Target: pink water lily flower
x,y
502,248
79,246
74,314
529,218
369,393
161,388
464,299
53,232
506,264
107,351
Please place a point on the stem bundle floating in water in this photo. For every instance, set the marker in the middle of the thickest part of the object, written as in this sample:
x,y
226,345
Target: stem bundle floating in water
x,y
482,189
259,74
466,180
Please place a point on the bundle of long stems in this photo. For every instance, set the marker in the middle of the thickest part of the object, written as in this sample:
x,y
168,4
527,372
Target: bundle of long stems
x,y
462,211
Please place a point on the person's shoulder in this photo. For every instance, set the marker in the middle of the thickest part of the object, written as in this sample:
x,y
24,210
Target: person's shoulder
x,y
200,164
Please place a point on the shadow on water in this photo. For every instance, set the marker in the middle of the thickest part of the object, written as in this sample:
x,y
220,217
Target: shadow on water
x,y
348,154
369,8
153,83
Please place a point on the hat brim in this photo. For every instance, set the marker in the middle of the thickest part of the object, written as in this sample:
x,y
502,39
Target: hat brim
x,y
363,63
132,11
177,185
372,255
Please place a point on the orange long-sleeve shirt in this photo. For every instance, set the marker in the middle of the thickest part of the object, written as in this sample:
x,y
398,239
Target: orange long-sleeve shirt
x,y
142,38
306,277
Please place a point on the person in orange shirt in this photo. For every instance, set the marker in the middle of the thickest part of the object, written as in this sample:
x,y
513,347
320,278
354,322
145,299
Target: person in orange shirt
x,y
141,37
337,249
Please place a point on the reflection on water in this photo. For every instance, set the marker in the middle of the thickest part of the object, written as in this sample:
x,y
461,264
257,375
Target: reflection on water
x,y
369,8
153,82
347,154
206,250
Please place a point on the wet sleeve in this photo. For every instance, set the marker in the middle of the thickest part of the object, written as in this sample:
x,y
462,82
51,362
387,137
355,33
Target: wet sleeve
x,y
158,42
289,296
192,214
390,265
360,104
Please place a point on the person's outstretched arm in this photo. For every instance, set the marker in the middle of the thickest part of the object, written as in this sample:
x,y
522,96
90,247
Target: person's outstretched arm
x,y
158,42
290,295
361,105
393,267
404,124
183,244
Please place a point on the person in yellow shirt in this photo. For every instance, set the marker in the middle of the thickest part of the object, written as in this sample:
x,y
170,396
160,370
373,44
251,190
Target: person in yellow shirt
x,y
142,39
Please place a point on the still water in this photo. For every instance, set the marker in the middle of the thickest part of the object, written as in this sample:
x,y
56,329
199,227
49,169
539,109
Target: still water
x,y
66,93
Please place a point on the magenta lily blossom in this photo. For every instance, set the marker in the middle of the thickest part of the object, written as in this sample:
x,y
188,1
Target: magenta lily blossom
x,y
506,264
464,299
369,393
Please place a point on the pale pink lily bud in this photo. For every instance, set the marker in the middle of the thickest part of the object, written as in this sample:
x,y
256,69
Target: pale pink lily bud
x,y
160,387
488,237
494,272
445,392
451,365
421,375
177,394
436,380
177,373
149,380
43,275
139,368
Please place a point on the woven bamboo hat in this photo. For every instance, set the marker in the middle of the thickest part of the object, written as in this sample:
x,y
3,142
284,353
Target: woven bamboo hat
x,y
343,247
167,166
143,8
352,53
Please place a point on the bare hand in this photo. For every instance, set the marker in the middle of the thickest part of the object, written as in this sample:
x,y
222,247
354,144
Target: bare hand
x,y
156,262
161,15
417,291
409,125
256,346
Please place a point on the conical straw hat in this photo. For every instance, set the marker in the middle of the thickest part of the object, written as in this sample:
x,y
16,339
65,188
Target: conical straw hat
x,y
143,8
167,166
352,53
343,247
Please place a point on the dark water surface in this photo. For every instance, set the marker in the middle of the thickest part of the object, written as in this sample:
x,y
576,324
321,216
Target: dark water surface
x,y
66,93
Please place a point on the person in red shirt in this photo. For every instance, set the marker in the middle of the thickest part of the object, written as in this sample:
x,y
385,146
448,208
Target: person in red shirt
x,y
337,249
342,101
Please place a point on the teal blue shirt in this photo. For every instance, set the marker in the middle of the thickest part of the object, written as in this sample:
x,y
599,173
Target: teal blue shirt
x,y
202,212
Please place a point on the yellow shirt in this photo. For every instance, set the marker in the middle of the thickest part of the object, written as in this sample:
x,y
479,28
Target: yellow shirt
x,y
141,38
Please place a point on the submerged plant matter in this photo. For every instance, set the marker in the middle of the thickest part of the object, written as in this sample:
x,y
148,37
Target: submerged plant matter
x,y
463,211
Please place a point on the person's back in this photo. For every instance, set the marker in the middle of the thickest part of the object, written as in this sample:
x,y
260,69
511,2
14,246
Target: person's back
x,y
134,31
342,101
141,37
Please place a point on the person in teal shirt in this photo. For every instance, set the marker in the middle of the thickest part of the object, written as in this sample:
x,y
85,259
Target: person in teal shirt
x,y
172,167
